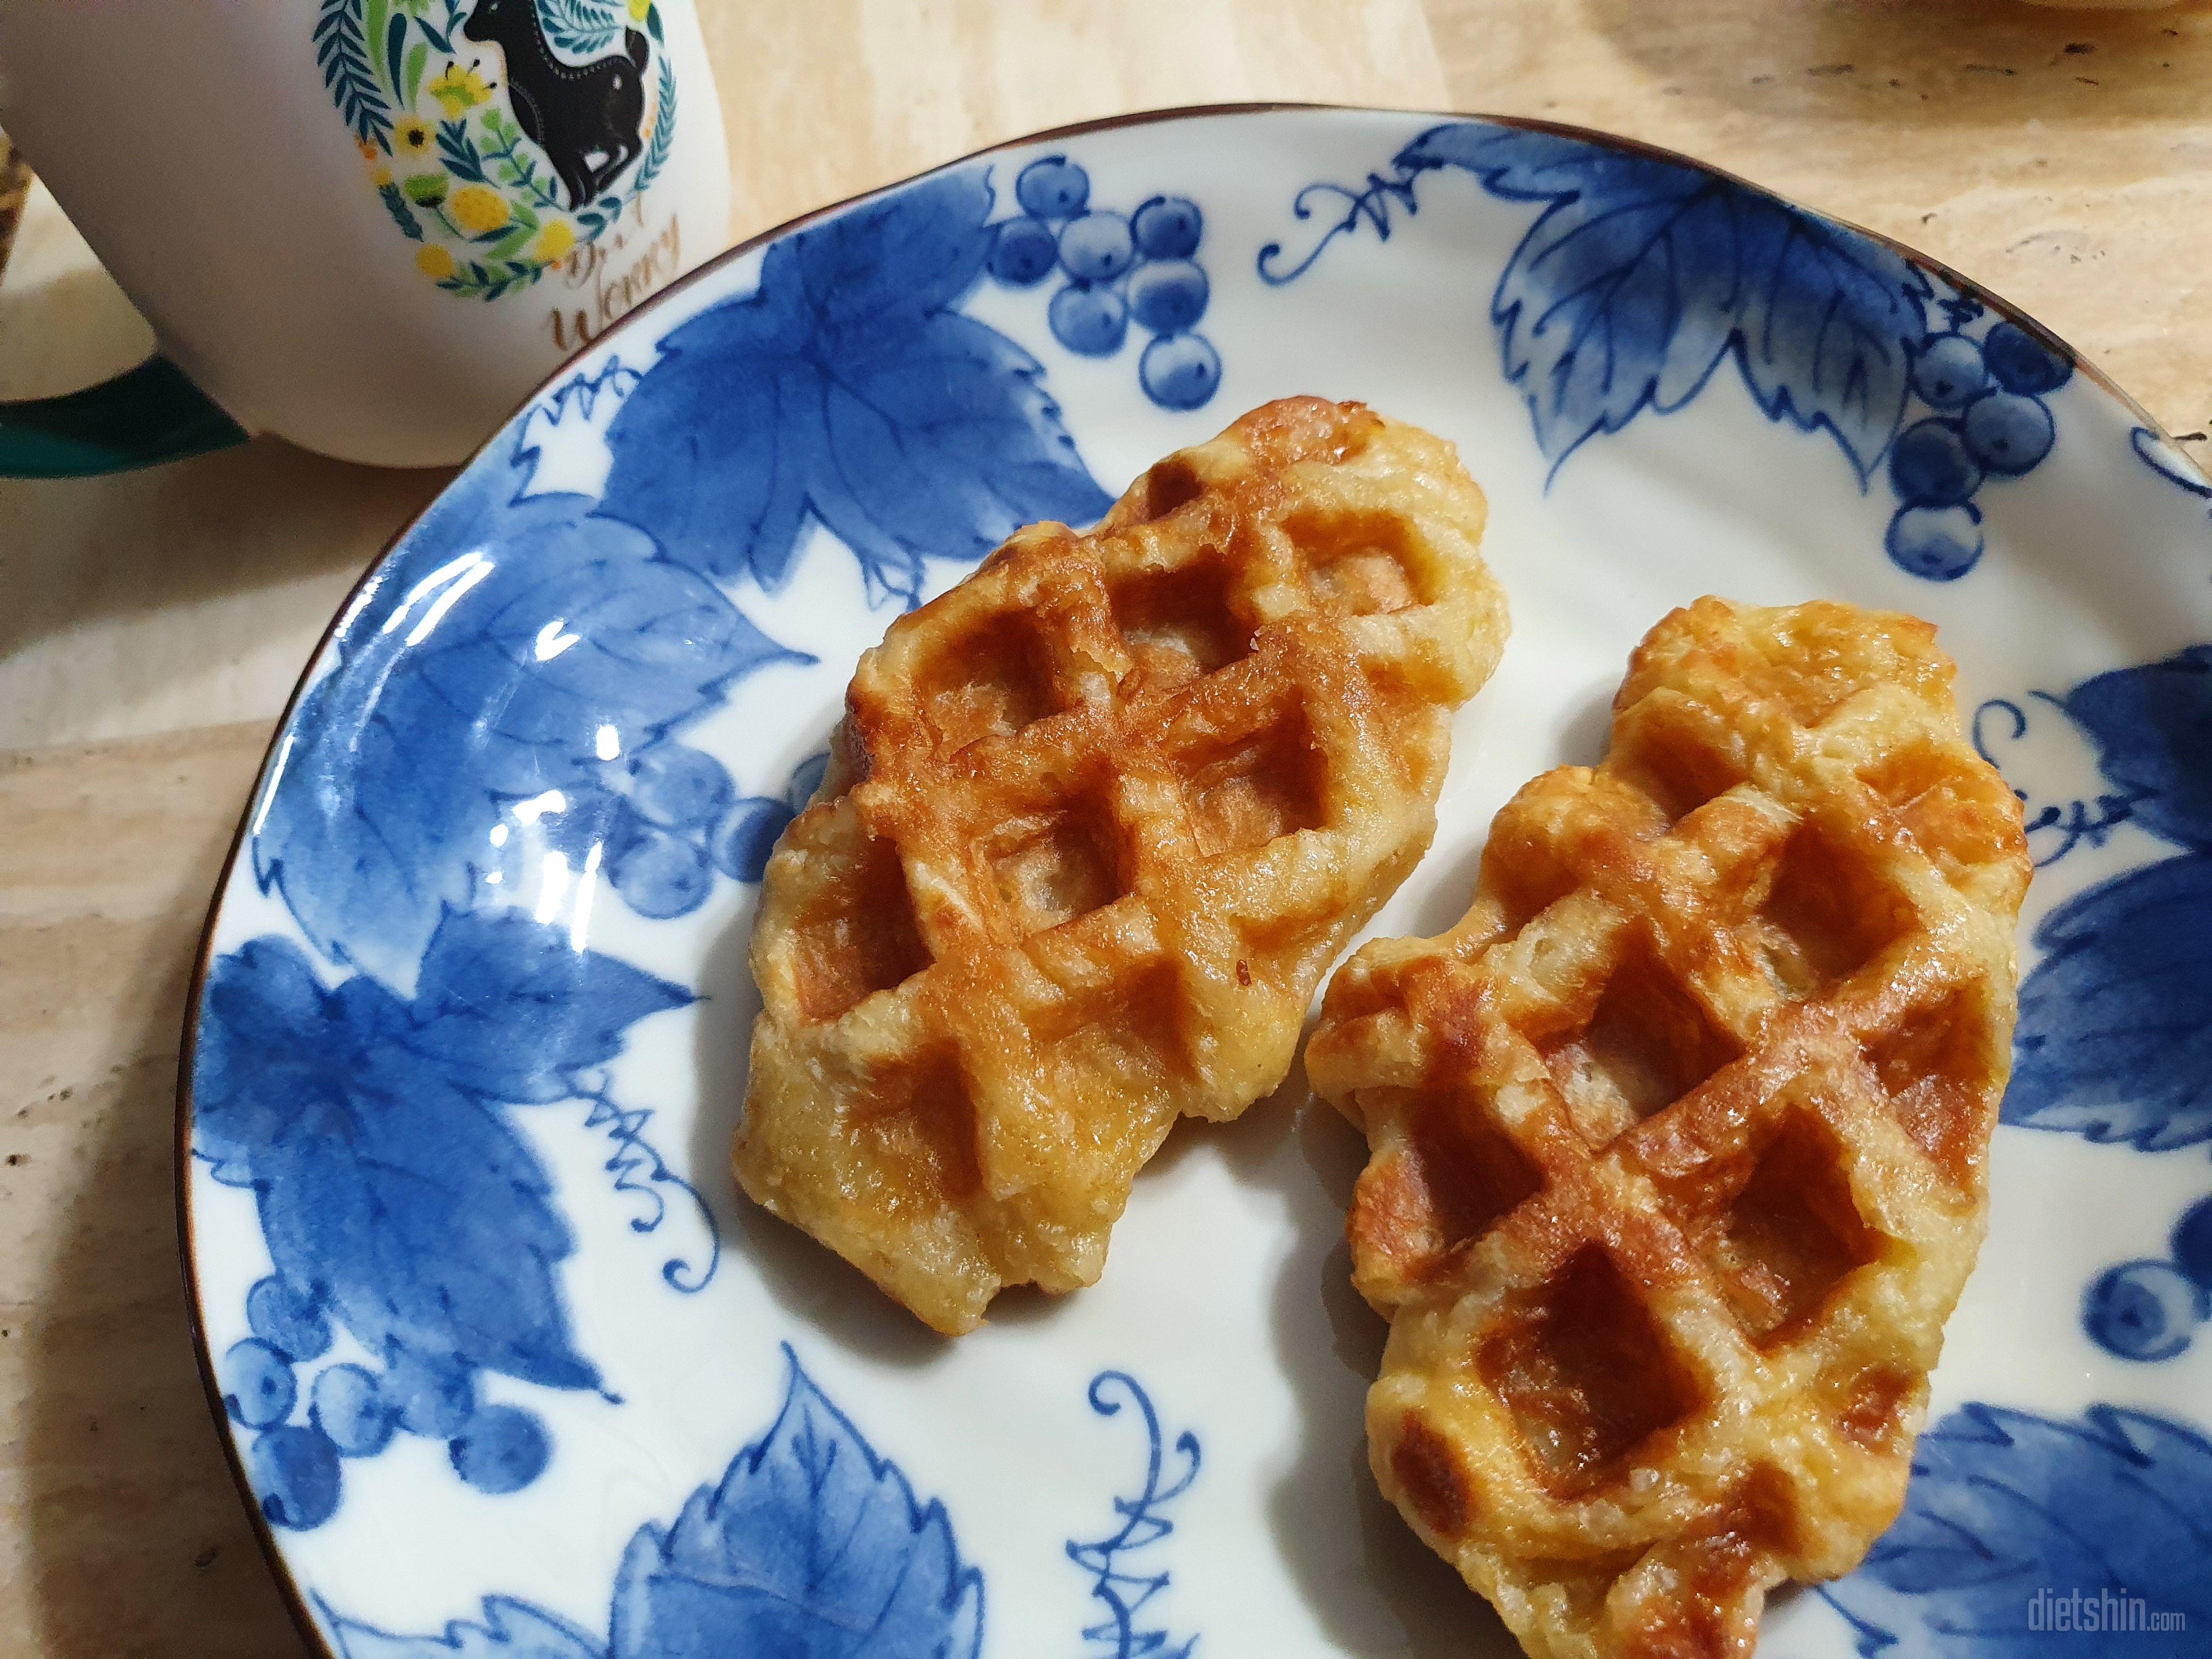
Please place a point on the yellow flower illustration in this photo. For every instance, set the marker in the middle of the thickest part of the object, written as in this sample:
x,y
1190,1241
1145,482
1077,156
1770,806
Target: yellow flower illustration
x,y
458,89
411,136
379,175
555,241
638,9
435,262
477,210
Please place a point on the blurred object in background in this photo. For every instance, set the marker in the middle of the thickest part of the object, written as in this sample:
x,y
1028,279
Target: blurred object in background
x,y
14,185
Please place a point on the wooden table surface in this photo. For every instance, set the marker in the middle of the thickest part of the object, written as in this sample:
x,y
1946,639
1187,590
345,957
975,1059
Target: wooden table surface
x,y
151,625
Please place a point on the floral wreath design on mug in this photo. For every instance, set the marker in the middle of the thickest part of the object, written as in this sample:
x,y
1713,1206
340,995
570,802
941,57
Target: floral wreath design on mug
x,y
501,135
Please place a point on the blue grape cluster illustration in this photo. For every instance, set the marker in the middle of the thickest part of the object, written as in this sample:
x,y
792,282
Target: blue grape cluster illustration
x,y
1987,419
354,1412
681,819
2149,1310
1116,269
665,819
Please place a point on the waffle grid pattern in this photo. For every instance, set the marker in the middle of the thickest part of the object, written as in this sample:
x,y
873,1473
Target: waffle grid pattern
x,y
1098,820
1677,1140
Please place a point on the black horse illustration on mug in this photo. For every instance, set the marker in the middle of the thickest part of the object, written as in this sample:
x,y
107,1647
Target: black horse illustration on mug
x,y
585,116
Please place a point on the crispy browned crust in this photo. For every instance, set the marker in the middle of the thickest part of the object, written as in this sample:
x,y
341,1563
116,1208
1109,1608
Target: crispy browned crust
x,y
1098,820
1678,1140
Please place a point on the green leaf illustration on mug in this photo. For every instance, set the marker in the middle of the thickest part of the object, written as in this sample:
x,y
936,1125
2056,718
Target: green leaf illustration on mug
x,y
501,137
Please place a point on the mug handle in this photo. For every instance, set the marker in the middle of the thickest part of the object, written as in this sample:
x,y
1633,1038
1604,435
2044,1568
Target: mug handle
x,y
143,416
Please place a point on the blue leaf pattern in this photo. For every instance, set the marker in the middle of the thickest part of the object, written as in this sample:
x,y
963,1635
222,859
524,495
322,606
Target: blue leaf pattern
x,y
390,1190
812,1545
2153,729
2115,1035
2112,1042
496,740
2009,1515
510,1630
847,390
1643,275
396,1198
509,1015
512,649
581,28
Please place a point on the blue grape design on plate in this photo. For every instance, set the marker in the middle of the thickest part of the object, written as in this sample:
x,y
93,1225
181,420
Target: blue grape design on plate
x,y
1643,276
1116,269
1987,422
2149,1310
677,817
497,750
399,1202
2112,1042
350,1408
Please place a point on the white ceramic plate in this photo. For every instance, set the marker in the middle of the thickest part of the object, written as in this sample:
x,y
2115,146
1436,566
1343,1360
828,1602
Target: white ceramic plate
x,y
508,1365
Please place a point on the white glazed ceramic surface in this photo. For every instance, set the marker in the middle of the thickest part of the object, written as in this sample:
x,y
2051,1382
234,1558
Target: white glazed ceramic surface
x,y
501,1344
357,226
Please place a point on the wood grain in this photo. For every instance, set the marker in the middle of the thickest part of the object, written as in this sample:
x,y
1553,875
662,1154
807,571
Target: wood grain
x,y
830,99
120,1530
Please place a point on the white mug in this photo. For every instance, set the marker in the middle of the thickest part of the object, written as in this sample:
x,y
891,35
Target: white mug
x,y
370,227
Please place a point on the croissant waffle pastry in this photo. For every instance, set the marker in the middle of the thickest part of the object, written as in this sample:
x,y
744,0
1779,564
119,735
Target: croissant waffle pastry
x,y
1097,821
1678,1140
